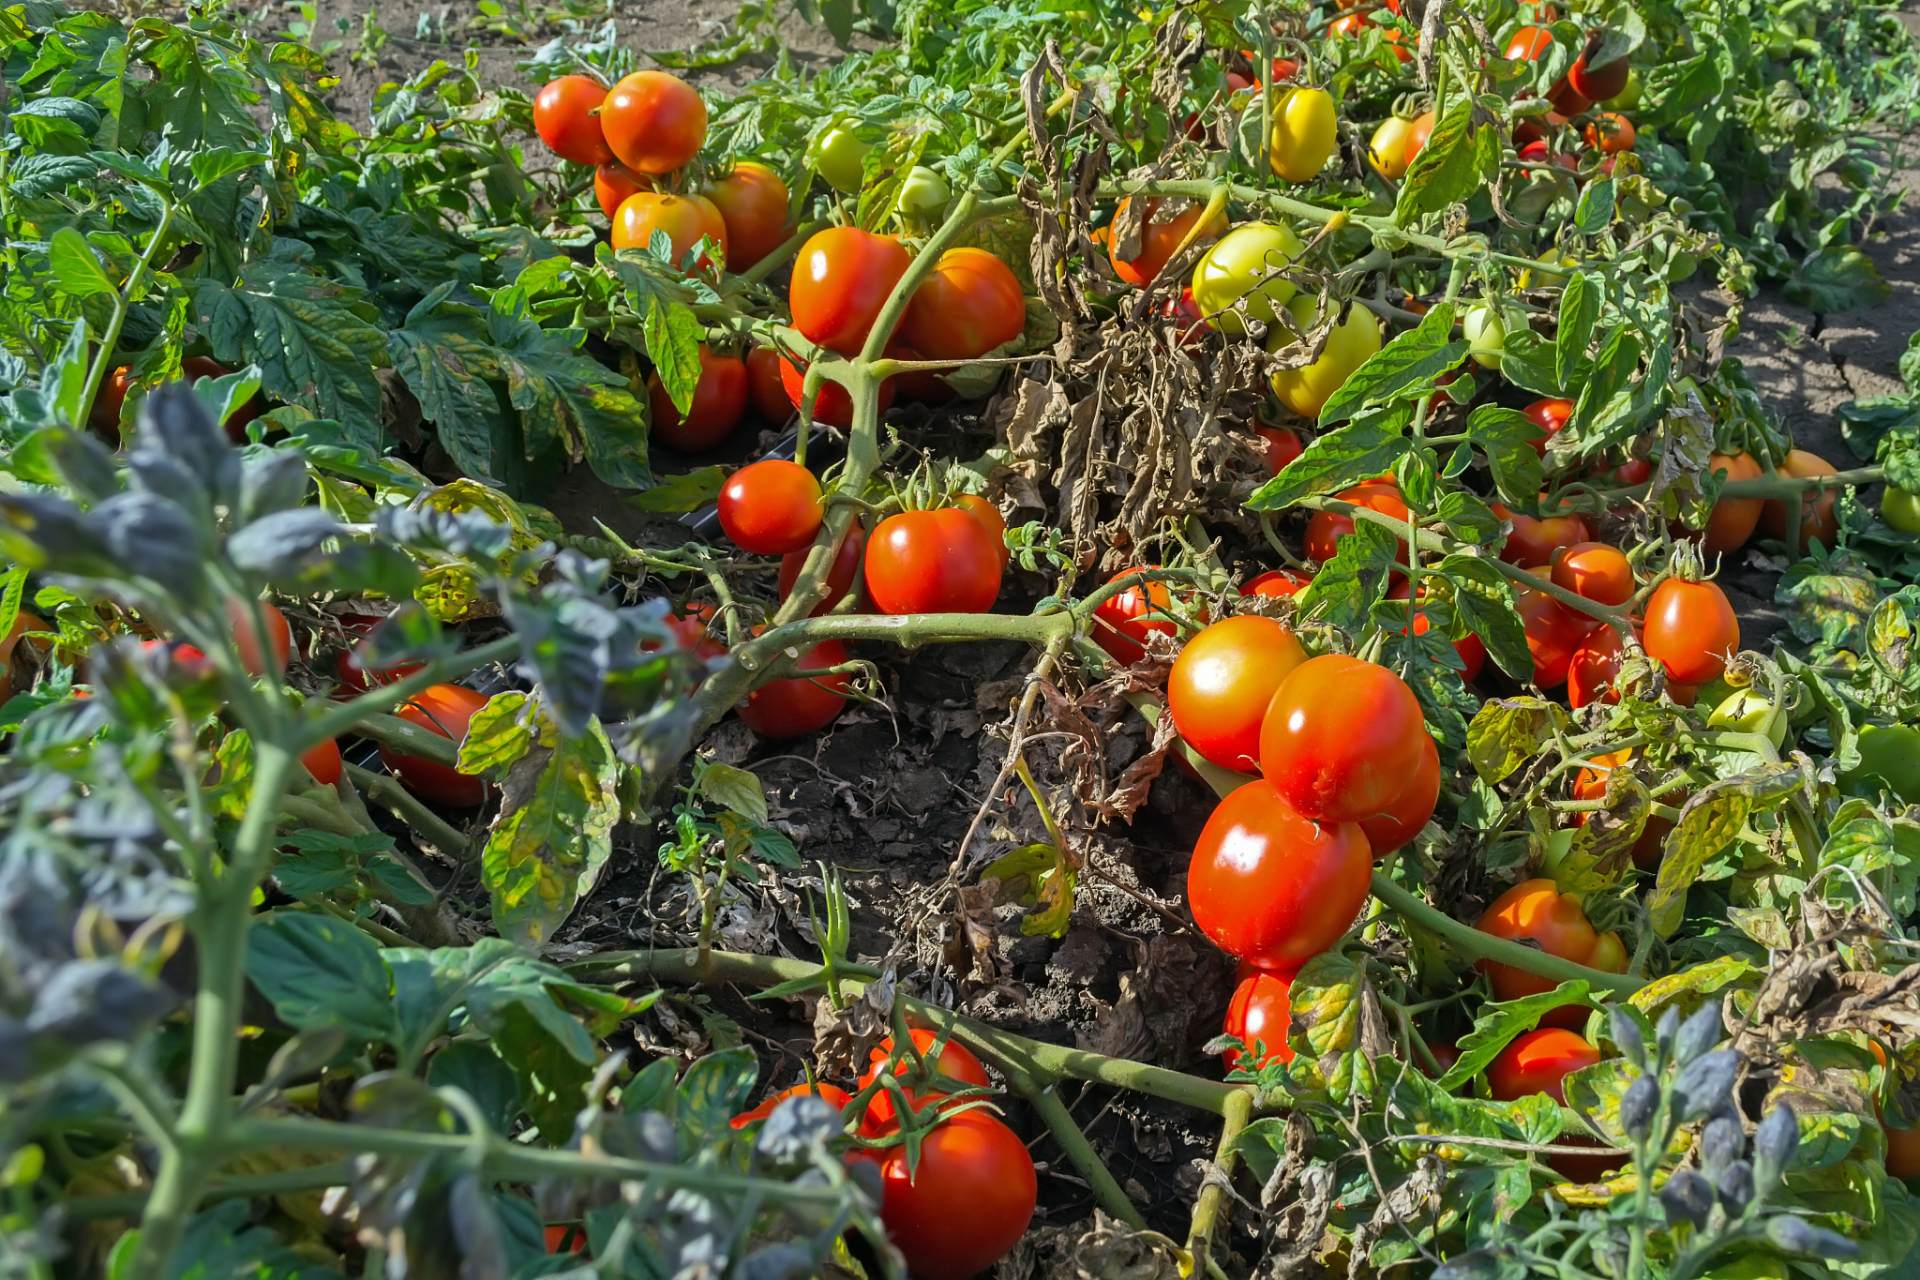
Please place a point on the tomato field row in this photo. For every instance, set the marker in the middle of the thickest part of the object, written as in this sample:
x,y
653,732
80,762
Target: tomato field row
x,y
1330,405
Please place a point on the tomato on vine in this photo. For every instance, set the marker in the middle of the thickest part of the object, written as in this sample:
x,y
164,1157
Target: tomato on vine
x,y
833,403
1326,528
322,760
766,388
841,574
841,280
258,652
1610,133
444,709
1534,541
1279,447
771,507
1549,415
831,1094
1593,668
1277,584
1158,239
804,703
653,122
968,305
1305,132
955,1061
1818,519
1243,268
1594,571
684,220
565,116
1471,648
1554,632
1691,630
1342,738
1900,508
1260,1015
1306,390
1122,622
1733,519
1539,1062
719,402
613,183
941,561
1221,683
1536,911
983,510
752,202
970,1160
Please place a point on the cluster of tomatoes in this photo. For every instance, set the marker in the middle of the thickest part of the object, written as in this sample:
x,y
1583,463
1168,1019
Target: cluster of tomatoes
x,y
970,1196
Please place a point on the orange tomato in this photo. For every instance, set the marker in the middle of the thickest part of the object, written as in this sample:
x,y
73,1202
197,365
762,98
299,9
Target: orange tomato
x,y
1817,518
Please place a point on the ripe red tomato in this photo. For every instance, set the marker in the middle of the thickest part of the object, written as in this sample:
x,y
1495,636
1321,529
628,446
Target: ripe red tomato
x,y
840,281
956,1062
1597,84
1326,528
1341,738
1528,43
771,507
564,117
833,404
840,575
940,561
1566,100
969,304
1260,1015
1536,910
990,519
1158,239
1122,623
719,401
1221,683
1408,814
800,704
1538,1062
570,1237
1549,415
967,1204
444,709
1278,583
766,389
1191,319
752,201
1472,650
1691,630
689,629
1817,518
831,1094
653,122
352,678
1733,519
1633,471
1282,446
1553,633
1269,885
1592,669
684,219
104,415
613,183
246,638
323,762
1594,571
1610,133
1533,541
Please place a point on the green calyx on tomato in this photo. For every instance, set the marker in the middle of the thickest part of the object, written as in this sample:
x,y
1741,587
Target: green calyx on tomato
x,y
1242,268
1892,754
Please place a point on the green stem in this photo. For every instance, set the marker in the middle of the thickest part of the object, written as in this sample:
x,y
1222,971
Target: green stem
x,y
346,717
110,339
397,800
1206,1210
1475,945
1045,1099
313,1177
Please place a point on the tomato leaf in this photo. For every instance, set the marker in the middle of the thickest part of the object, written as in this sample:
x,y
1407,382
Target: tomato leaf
x,y
1579,308
1508,732
75,266
319,971
1595,210
735,789
1501,1022
713,1091
1837,278
566,398
473,1066
1408,364
1347,586
445,354
1613,370
1709,823
1337,1025
1704,978
1450,167
687,492
1483,602
1368,446
1505,436
1528,362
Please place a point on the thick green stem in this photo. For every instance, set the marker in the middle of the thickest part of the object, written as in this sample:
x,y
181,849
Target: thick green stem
x,y
103,359
313,1177
1045,1099
397,800
346,717
1206,1210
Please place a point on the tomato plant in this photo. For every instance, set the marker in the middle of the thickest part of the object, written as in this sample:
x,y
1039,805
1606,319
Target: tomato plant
x,y
954,1062
941,561
771,507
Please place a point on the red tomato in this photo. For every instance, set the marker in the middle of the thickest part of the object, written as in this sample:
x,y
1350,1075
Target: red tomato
x,y
1592,669
1538,1062
1634,471
831,1094
246,638
346,667
956,1062
564,117
1549,416
24,624
653,122
1277,583
1903,1152
967,1204
841,280
1594,571
833,403
1417,135
1817,518
969,304
840,576
1407,815
1445,1054
613,183
766,389
771,507
990,519
1536,910
1221,683
323,762
1533,541
1691,630
685,219
752,201
1610,133
1566,99
1326,528
940,561
444,709
719,402
1472,650
1260,1015
689,628
1158,240
1341,738
800,704
1528,43
1553,633
1282,446
104,415
1733,519
560,1235
1597,84
1122,623
1271,886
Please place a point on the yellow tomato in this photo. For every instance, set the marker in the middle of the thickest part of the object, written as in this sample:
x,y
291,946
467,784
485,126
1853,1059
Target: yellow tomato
x,y
1387,153
1241,266
1307,390
1305,133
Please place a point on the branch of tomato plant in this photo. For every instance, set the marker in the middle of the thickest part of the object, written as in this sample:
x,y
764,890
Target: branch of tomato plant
x,y
346,717
122,302
1206,1209
384,791
1044,1098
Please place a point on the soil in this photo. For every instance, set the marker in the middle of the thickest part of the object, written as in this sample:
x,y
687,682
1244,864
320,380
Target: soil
x,y
888,793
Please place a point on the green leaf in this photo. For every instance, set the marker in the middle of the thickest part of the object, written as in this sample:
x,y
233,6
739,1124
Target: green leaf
x,y
714,1090
1337,1024
1505,436
319,971
1835,279
735,789
473,1066
1709,823
1579,308
445,353
566,398
75,267
553,1081
1450,167
1595,210
1508,732
1408,365
1528,362
1704,978
1499,1023
1041,878
1347,586
1365,447
1613,371
34,176
200,93
673,336
1484,603
687,492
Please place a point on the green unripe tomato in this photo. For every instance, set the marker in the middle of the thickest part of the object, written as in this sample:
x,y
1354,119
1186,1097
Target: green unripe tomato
x,y
1750,711
1893,753
1901,509
1486,334
925,193
1628,98
1240,266
841,160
